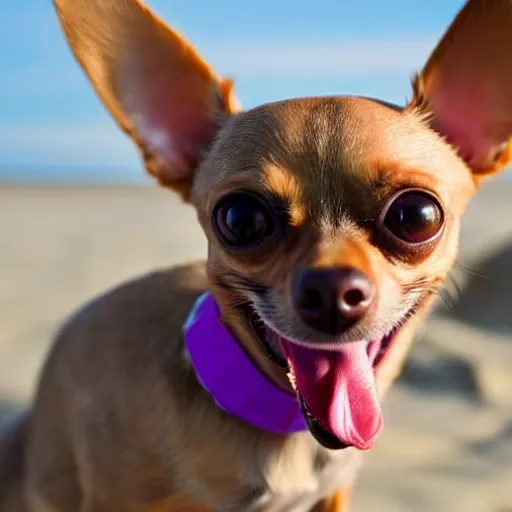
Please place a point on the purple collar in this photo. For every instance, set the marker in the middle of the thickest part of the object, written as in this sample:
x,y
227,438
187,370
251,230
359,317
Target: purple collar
x,y
231,378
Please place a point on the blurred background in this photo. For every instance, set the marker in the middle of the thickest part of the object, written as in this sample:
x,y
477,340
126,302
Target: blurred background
x,y
78,215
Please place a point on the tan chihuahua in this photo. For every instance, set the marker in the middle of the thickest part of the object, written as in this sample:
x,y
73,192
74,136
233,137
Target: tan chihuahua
x,y
253,382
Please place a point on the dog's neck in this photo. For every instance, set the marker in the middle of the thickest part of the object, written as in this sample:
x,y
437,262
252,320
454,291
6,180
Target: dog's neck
x,y
232,379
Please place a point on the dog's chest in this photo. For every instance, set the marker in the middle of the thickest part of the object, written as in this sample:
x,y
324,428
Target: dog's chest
x,y
300,473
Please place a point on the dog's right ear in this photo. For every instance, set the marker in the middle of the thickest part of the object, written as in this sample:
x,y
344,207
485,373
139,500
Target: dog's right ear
x,y
159,90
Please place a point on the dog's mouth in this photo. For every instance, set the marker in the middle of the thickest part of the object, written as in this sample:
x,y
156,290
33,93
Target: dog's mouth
x,y
335,386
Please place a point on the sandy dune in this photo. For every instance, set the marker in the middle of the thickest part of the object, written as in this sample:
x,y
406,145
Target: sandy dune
x,y
447,444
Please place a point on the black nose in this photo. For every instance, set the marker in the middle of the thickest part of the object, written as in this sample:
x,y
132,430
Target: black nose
x,y
331,300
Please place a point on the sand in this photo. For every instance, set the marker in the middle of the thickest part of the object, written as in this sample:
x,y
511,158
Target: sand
x,y
447,443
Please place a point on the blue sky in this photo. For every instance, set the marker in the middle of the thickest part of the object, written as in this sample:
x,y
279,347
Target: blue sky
x,y
52,127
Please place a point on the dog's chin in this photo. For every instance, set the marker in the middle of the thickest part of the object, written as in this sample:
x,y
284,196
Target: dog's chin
x,y
296,358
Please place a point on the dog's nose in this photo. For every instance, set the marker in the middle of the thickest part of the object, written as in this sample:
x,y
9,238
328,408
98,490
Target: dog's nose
x,y
331,300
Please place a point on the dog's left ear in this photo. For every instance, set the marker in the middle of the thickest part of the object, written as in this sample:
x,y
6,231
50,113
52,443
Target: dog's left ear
x,y
152,81
466,86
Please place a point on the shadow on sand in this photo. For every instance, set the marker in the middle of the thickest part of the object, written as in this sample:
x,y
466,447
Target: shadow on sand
x,y
7,413
486,298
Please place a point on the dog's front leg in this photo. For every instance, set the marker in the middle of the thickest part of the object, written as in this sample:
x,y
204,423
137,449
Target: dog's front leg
x,y
338,502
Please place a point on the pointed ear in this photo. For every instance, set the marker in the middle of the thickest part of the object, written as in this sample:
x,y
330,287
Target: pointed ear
x,y
466,86
152,81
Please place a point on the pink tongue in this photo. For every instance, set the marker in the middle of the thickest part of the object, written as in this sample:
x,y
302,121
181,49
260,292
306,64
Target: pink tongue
x,y
339,390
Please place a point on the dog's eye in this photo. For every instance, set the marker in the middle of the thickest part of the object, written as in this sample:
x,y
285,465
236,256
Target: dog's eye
x,y
414,217
242,220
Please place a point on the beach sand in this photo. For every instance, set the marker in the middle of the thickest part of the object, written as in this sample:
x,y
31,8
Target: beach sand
x,y
447,442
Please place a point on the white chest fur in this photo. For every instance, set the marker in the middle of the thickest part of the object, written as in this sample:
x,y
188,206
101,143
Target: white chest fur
x,y
298,473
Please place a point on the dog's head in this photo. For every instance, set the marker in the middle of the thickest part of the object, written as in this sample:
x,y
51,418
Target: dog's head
x,y
331,222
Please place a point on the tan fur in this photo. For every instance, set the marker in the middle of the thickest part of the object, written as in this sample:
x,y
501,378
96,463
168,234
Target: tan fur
x,y
119,422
